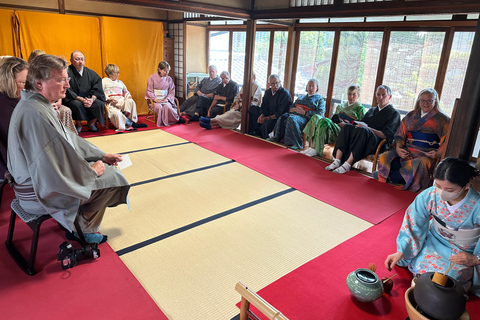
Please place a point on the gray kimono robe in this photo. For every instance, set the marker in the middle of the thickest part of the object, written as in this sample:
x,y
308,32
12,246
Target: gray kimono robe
x,y
43,154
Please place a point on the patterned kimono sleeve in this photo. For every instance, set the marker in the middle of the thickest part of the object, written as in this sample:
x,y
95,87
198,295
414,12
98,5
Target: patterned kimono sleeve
x,y
400,137
360,112
317,103
415,225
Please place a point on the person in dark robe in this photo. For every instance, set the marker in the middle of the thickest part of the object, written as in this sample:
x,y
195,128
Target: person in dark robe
x,y
276,101
52,170
212,107
358,140
14,74
85,97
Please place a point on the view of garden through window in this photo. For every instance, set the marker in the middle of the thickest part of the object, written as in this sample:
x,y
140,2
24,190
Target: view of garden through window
x,y
412,62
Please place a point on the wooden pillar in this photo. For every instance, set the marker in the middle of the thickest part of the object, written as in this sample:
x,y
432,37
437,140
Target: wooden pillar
x,y
331,78
248,69
382,62
61,6
444,57
290,62
467,116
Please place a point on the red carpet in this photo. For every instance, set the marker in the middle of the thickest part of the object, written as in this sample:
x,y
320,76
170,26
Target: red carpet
x,y
318,290
360,194
94,289
102,131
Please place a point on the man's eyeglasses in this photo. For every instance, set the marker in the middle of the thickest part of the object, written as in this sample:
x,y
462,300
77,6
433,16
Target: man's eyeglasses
x,y
63,80
22,83
79,59
274,83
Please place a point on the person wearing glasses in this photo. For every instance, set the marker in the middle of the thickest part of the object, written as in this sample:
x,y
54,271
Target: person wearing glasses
x,y
13,74
85,96
53,170
419,142
64,112
276,101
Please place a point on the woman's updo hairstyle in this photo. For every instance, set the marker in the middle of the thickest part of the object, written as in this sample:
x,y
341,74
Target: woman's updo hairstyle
x,y
455,171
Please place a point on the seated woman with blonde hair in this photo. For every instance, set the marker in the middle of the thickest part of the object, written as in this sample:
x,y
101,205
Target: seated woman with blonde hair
x,y
419,142
122,110
320,131
233,117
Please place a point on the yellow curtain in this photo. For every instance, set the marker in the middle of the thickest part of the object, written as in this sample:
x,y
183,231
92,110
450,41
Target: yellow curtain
x,y
7,43
136,47
60,35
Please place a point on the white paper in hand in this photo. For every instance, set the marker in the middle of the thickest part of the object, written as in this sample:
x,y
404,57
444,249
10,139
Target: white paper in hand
x,y
125,163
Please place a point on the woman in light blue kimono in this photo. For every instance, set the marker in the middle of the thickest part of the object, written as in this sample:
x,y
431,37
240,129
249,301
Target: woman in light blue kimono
x,y
290,125
442,226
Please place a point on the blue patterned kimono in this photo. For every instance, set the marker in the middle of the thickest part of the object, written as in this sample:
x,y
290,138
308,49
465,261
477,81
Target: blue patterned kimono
x,y
290,125
425,250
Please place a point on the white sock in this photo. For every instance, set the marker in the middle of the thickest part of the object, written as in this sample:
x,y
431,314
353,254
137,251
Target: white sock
x,y
334,165
311,152
344,168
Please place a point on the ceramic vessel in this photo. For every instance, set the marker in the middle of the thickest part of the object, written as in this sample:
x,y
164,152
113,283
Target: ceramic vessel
x,y
439,302
365,285
414,314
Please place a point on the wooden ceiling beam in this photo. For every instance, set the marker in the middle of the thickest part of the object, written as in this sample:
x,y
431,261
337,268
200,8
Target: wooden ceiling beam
x,y
188,6
371,9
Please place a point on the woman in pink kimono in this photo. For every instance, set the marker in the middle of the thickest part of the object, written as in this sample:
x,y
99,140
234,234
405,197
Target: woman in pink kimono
x,y
161,90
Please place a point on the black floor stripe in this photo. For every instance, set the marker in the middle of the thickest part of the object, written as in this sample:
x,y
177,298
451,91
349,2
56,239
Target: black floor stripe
x,y
182,173
159,147
201,222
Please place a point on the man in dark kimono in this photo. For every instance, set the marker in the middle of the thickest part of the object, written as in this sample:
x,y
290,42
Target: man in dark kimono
x,y
212,107
358,140
85,97
276,101
53,170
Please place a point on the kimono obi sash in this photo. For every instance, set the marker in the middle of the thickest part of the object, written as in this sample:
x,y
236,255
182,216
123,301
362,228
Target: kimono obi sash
x,y
22,192
114,92
424,140
459,237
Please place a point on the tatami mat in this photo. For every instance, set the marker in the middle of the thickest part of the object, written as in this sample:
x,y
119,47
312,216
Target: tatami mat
x,y
268,229
126,142
192,275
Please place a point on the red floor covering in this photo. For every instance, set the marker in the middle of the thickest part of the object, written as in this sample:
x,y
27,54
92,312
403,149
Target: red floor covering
x,y
102,131
318,290
94,289
367,198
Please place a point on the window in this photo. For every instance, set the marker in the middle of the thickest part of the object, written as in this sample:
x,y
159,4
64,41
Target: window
x,y
260,61
279,53
412,64
218,50
314,60
457,67
357,63
238,57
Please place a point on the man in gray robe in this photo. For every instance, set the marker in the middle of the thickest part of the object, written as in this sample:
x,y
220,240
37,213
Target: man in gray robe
x,y
55,171
207,88
85,97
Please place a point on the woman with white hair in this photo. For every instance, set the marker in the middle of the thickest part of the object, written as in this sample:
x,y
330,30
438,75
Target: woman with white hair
x,y
419,142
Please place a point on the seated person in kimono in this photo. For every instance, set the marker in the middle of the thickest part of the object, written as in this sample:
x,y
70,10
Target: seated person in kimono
x,y
290,125
276,101
358,140
122,110
206,88
85,96
320,130
224,94
441,227
419,142
52,170
233,117
161,90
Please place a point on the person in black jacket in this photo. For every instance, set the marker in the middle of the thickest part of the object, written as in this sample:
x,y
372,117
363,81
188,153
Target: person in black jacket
x,y
276,101
358,140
